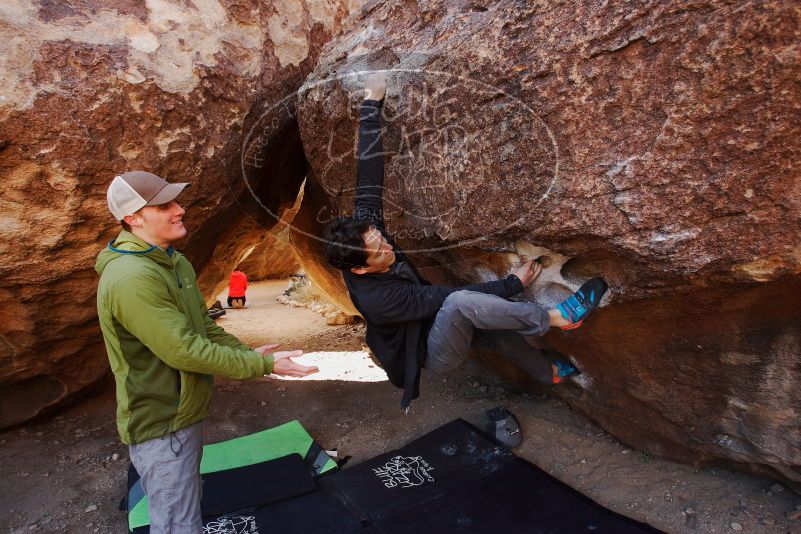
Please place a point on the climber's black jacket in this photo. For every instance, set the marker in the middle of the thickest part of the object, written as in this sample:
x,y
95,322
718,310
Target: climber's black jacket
x,y
399,306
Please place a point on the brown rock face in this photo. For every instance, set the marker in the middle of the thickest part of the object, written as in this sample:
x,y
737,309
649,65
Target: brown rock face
x,y
653,143
92,89
274,256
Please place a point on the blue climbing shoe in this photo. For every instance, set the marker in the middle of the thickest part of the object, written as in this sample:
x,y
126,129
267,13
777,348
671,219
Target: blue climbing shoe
x,y
562,370
581,303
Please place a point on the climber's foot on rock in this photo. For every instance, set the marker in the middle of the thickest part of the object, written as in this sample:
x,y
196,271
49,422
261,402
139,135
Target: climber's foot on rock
x,y
563,370
571,312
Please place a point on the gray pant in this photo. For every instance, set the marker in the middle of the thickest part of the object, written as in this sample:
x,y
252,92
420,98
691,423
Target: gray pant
x,y
169,468
463,312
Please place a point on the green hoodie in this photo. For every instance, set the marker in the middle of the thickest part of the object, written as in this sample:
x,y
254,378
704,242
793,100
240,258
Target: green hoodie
x,y
161,343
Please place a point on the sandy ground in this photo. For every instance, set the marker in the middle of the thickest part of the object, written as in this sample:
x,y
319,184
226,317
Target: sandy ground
x,y
68,474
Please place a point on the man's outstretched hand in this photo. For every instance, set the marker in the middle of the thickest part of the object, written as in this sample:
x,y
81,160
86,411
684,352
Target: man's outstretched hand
x,y
283,365
528,271
376,86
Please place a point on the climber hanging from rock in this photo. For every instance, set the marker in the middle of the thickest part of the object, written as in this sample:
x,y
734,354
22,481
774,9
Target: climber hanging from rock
x,y
412,324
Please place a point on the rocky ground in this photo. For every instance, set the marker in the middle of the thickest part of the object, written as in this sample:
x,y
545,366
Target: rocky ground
x,y
68,474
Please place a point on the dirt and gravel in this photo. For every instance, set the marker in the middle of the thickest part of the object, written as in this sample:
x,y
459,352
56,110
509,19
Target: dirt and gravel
x,y
68,474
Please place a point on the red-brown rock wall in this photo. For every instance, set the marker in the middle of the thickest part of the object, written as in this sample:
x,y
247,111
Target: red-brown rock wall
x,y
92,89
653,143
273,256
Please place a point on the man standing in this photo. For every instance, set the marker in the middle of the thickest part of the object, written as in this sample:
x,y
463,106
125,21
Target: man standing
x,y
163,348
412,324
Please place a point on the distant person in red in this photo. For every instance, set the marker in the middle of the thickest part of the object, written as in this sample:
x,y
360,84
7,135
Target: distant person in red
x,y
236,289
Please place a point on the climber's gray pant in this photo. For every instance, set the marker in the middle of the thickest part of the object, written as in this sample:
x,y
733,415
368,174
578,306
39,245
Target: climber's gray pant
x,y
169,468
463,312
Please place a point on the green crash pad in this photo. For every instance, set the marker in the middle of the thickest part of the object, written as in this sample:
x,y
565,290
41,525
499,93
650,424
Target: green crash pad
x,y
277,442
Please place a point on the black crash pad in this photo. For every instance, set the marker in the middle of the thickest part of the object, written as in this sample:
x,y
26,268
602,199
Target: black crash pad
x,y
456,479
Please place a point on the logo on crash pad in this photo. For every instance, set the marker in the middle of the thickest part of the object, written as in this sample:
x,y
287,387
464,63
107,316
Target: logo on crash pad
x,y
240,524
404,472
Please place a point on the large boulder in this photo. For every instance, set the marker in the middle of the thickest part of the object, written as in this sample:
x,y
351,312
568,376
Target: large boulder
x,y
655,144
92,89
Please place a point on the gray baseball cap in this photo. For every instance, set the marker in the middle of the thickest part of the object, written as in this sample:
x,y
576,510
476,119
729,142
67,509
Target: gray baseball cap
x,y
132,191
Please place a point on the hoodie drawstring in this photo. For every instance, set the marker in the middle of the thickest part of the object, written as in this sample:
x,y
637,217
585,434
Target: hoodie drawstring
x,y
172,445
